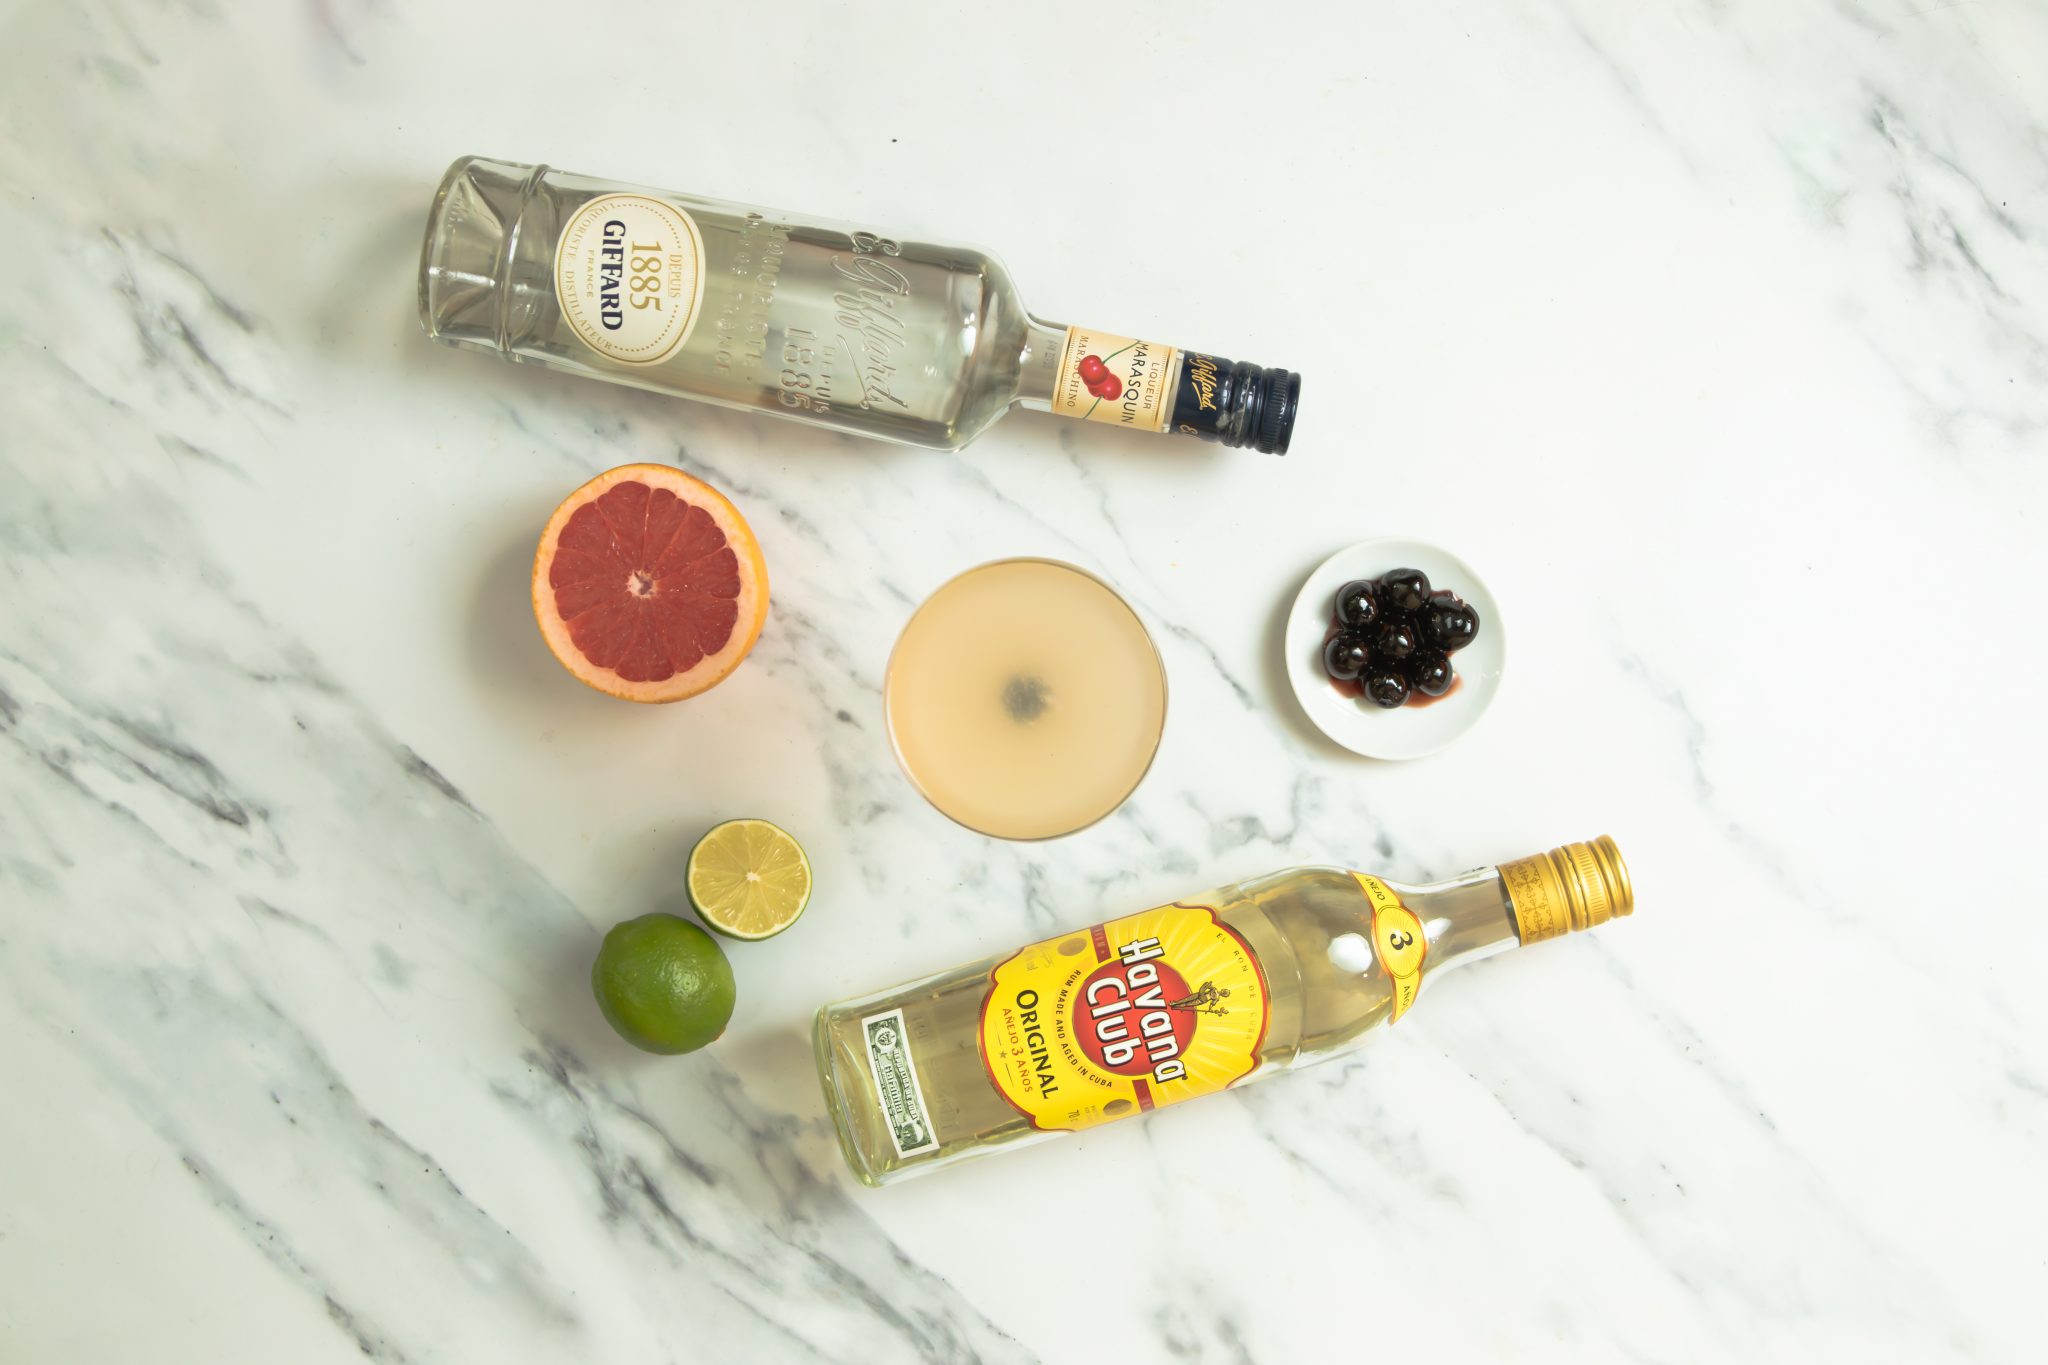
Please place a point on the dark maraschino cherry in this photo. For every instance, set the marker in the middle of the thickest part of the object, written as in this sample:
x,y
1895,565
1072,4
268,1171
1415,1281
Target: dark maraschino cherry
x,y
1387,688
1358,604
1404,589
1449,624
1092,370
1396,640
1430,673
1345,657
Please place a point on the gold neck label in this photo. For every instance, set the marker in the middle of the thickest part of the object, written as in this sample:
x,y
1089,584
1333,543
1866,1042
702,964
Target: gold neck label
x,y
1397,941
1118,380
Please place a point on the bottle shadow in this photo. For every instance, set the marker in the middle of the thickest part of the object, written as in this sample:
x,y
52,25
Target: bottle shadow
x,y
777,1064
1092,442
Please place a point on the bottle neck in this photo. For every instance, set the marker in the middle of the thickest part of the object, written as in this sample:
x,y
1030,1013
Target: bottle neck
x,y
1429,929
1465,919
1038,365
1422,931
1488,911
1121,381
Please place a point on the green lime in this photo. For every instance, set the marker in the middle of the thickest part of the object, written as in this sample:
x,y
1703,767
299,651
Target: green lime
x,y
749,879
663,983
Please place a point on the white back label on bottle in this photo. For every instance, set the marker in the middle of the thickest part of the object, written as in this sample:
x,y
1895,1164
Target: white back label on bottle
x,y
902,1098
629,275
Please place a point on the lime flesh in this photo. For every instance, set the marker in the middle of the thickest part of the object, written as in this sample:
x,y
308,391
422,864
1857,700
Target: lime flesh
x,y
749,879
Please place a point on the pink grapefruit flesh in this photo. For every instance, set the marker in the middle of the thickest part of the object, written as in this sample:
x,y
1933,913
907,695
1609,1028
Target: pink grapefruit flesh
x,y
649,585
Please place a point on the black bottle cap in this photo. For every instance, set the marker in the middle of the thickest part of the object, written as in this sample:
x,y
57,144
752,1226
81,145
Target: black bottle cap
x,y
1237,403
1280,395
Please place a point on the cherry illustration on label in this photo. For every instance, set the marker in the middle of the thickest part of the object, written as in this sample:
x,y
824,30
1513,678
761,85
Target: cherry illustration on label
x,y
1096,375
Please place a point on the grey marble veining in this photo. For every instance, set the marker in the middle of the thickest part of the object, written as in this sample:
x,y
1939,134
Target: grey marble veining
x,y
1713,333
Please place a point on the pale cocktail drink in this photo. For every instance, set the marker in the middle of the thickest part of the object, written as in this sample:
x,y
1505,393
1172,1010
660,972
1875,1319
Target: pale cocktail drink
x,y
1025,699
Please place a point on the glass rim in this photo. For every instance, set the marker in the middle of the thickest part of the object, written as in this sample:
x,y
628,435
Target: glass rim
x,y
1144,631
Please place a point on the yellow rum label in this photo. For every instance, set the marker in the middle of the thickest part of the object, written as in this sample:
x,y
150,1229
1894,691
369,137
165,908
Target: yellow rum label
x,y
1119,380
1108,1022
1397,941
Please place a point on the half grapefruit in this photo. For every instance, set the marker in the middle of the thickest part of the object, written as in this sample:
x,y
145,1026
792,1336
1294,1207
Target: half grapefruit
x,y
648,584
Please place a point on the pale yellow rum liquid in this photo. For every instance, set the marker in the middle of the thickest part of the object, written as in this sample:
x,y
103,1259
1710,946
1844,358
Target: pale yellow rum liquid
x,y
1025,699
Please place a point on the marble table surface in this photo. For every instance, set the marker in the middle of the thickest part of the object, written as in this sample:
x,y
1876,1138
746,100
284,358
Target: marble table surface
x,y
1715,333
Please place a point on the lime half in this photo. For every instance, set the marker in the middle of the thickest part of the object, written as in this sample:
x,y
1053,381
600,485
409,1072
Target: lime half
x,y
749,879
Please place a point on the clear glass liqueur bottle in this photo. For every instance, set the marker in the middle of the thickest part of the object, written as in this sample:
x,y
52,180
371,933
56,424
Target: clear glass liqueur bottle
x,y
831,324
1175,1002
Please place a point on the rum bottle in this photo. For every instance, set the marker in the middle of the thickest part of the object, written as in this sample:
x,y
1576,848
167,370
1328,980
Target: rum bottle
x,y
1174,1002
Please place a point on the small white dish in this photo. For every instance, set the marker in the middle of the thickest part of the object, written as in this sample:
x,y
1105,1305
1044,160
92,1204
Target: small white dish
x,y
1354,722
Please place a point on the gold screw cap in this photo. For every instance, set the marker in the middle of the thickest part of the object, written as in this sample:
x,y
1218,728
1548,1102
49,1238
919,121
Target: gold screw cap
x,y
1568,889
